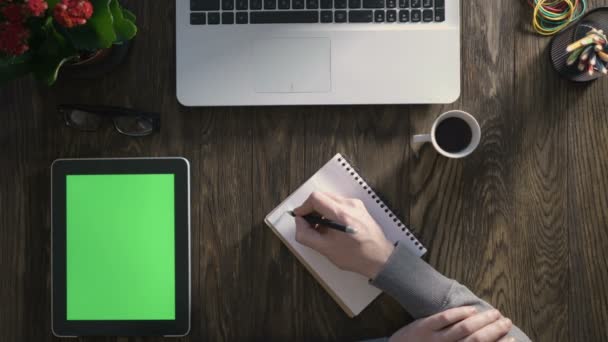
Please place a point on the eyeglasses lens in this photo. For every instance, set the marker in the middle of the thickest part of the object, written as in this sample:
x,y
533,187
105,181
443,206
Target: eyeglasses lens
x,y
82,120
134,125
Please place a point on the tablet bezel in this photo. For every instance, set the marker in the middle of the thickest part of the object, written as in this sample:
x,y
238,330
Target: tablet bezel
x,y
62,327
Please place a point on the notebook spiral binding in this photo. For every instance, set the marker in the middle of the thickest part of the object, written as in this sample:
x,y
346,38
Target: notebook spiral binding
x,y
370,191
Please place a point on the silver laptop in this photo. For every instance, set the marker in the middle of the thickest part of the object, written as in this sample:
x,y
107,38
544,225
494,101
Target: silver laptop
x,y
305,52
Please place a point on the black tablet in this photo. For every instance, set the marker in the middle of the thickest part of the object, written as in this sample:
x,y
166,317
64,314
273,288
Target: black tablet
x,y
121,247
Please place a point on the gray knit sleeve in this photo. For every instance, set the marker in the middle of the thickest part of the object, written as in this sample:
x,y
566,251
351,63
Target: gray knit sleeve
x,y
423,291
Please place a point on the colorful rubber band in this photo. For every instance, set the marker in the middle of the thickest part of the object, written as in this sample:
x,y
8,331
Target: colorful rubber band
x,y
551,16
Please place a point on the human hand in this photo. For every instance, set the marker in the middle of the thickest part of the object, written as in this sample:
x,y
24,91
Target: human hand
x,y
364,252
461,324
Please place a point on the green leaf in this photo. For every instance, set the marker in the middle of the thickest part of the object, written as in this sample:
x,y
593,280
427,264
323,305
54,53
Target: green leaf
x,y
98,32
14,67
51,55
52,4
128,15
125,29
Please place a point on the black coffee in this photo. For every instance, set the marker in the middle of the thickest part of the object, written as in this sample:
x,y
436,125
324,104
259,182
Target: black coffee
x,y
453,135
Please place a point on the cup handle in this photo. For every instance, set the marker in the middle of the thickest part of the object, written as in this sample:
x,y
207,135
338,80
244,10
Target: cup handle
x,y
421,138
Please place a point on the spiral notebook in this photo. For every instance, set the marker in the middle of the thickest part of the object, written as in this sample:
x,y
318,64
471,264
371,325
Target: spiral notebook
x,y
350,290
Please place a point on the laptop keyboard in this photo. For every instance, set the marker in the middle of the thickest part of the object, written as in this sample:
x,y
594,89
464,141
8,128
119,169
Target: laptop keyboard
x,y
229,12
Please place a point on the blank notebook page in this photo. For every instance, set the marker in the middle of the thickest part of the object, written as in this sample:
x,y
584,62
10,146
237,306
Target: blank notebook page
x,y
350,290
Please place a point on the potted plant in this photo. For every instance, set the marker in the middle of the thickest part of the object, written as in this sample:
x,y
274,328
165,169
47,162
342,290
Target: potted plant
x,y
40,36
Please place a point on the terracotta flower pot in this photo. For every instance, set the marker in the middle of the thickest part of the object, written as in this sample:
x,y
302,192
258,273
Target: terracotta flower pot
x,y
90,58
96,64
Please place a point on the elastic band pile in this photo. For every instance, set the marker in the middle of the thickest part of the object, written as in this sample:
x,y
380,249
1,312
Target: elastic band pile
x,y
551,16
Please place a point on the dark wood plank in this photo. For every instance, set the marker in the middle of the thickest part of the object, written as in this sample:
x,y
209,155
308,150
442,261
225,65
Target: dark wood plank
x,y
23,279
464,209
587,168
279,168
587,145
588,217
539,185
222,164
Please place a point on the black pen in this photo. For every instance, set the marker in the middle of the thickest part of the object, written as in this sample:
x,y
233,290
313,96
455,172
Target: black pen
x,y
314,219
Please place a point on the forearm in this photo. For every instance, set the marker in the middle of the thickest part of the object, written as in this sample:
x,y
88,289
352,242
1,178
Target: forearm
x,y
423,291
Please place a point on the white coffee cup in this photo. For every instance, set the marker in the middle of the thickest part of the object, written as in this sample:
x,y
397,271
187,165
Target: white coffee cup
x,y
431,137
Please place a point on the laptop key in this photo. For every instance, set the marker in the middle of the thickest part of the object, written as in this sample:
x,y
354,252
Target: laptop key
x,y
227,5
404,16
439,3
440,15
327,4
255,4
340,16
327,16
391,3
416,3
354,3
204,5
297,4
416,16
404,3
373,3
312,4
427,15
340,3
427,3
242,18
241,4
198,18
228,18
379,16
360,16
270,4
391,16
284,17
213,18
283,4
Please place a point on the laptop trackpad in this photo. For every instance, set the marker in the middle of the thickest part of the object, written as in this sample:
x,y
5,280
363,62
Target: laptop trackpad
x,y
292,65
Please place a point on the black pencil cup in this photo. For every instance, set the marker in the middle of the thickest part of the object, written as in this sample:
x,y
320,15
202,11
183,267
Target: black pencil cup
x,y
598,19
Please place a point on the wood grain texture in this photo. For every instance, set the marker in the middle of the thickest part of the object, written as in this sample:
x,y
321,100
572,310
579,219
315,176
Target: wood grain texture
x,y
539,180
463,209
587,134
588,222
523,221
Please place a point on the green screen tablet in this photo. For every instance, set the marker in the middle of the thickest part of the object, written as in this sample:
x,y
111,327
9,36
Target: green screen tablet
x,y
119,266
120,247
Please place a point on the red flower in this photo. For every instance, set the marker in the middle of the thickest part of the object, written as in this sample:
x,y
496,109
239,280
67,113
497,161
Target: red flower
x,y
36,7
13,38
13,13
70,13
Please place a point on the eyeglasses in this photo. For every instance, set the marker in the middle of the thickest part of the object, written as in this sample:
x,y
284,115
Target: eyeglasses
x,y
129,122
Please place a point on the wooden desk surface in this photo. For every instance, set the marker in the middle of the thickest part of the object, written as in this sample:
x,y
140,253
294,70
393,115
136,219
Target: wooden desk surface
x,y
523,222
